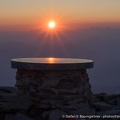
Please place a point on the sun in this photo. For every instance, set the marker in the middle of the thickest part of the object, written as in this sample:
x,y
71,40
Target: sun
x,y
51,24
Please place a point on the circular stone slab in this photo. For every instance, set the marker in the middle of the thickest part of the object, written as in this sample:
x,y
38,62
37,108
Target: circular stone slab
x,y
51,63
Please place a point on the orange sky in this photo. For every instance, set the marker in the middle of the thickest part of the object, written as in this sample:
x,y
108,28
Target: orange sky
x,y
22,12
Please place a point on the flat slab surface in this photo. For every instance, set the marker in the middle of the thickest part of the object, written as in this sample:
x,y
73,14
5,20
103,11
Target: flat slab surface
x,y
51,63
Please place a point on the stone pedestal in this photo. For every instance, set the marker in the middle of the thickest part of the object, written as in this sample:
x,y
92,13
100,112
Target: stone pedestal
x,y
55,83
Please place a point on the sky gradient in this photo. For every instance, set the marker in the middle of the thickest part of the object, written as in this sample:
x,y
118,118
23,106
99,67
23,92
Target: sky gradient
x,y
99,39
17,12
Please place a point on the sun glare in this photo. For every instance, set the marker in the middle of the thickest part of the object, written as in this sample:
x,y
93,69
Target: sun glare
x,y
51,60
51,24
53,30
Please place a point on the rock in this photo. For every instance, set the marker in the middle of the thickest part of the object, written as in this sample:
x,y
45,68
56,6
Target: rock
x,y
83,111
51,89
99,97
17,116
101,106
118,101
51,82
14,102
110,104
65,85
34,109
112,99
109,112
20,116
9,116
44,95
107,98
37,117
53,115
87,95
74,100
6,90
1,116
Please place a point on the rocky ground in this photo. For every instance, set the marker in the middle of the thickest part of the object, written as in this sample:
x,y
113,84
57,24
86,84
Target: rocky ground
x,y
106,104
15,107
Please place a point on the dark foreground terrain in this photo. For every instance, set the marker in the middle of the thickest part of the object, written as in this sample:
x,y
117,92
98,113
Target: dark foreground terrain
x,y
15,107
